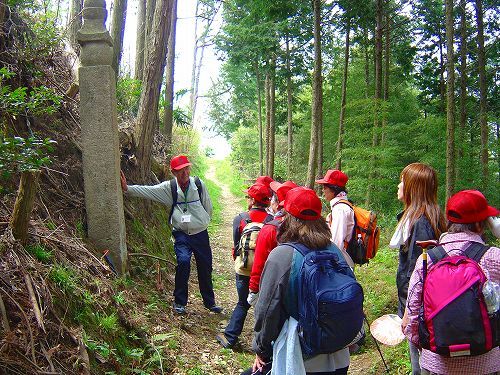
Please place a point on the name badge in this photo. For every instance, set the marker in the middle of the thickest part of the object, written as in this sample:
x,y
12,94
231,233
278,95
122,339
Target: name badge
x,y
185,218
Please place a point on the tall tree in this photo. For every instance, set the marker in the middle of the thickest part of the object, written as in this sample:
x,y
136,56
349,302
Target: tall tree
x,y
450,102
168,118
147,117
463,76
483,116
272,118
205,13
149,30
289,107
379,30
118,19
317,99
267,89
343,94
140,39
258,85
75,22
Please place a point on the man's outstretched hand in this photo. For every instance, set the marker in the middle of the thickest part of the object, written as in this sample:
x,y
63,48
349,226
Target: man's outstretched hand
x,y
123,181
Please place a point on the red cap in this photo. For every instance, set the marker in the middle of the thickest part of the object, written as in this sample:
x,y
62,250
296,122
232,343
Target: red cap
x,y
282,189
179,162
260,192
469,206
264,180
303,203
334,177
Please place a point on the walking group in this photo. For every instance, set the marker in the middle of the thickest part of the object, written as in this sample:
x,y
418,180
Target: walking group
x,y
296,268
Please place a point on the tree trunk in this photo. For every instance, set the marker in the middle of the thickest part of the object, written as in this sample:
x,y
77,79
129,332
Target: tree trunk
x,y
140,39
463,78
149,31
317,97
377,99
483,116
367,65
147,116
119,17
259,114
24,204
272,117
168,119
289,107
267,86
75,22
442,68
450,102
387,70
344,95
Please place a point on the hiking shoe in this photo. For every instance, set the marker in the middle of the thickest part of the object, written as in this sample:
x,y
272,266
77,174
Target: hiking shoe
x,y
179,309
215,309
221,339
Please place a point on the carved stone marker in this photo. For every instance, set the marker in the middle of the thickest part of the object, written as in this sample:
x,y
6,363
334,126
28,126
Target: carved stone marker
x,y
101,159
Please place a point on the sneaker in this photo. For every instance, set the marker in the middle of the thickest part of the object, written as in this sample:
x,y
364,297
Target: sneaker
x,y
215,309
179,309
221,338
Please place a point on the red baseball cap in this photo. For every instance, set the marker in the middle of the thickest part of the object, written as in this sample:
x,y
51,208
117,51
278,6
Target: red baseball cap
x,y
469,206
178,162
264,180
303,203
260,192
282,188
334,177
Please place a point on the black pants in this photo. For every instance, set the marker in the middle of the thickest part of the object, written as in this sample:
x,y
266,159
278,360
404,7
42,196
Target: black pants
x,y
266,370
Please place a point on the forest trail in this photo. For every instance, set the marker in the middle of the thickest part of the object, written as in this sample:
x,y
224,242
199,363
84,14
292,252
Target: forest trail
x,y
221,242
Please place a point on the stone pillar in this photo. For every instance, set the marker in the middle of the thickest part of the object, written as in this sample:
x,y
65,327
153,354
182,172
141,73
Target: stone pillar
x,y
101,159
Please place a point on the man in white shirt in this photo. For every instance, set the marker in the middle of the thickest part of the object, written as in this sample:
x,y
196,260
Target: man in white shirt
x,y
341,219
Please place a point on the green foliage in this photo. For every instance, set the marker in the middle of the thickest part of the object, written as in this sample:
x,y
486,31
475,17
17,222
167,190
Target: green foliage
x,y
21,154
128,93
40,252
63,277
108,323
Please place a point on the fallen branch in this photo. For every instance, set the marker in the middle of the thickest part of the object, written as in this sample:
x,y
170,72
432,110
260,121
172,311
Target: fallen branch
x,y
34,302
152,256
5,321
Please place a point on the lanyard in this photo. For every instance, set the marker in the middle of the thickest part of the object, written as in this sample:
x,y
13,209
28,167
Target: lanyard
x,y
185,199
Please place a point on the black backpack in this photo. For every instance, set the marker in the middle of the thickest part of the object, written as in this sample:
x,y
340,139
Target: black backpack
x,y
175,196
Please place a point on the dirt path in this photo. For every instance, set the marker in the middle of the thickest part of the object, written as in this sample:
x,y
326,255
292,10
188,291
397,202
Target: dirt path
x,y
197,351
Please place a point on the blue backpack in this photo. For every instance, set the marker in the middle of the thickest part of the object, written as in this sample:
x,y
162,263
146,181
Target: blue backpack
x,y
325,298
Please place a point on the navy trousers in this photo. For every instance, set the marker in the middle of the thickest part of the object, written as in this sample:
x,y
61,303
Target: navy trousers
x,y
185,245
235,325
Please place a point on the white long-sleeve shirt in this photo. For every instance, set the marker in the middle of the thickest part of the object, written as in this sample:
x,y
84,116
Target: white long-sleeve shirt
x,y
341,224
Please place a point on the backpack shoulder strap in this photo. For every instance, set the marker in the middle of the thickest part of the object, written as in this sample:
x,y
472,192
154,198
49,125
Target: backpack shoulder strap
x,y
344,201
274,222
303,250
245,216
437,253
476,251
173,190
199,186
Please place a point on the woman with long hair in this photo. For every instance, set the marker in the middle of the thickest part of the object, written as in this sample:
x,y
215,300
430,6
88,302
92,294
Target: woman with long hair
x,y
301,224
421,220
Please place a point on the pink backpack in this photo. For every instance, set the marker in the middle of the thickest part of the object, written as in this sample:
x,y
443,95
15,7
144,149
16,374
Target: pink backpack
x,y
454,319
